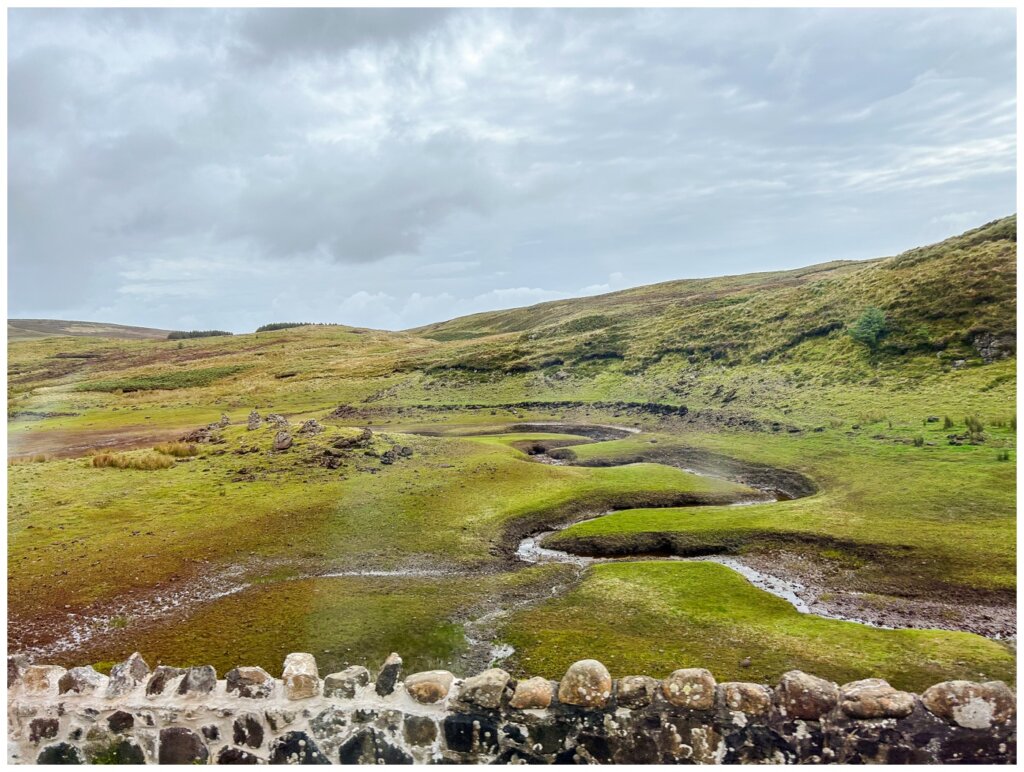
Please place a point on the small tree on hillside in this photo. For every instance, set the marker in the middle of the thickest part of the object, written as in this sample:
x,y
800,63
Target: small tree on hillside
x,y
870,327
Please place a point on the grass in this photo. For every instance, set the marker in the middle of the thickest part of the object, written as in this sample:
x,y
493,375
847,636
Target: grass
x,y
182,379
177,449
145,461
706,614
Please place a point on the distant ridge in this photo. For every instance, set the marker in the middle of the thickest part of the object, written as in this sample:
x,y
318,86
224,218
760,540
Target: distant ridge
x,y
30,329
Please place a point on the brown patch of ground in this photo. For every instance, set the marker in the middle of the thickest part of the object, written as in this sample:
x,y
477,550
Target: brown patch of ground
x,y
71,443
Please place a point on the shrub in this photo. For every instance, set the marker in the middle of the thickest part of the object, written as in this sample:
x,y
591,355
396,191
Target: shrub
x,y
1002,455
870,327
919,441
179,334
947,423
974,424
176,449
125,461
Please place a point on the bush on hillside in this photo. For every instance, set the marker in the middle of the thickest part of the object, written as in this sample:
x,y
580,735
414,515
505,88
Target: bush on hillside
x,y
281,326
123,461
870,327
176,449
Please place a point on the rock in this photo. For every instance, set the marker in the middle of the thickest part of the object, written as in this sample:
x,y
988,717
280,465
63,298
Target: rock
x,y
252,682
971,705
419,730
161,678
278,420
388,675
635,691
301,677
198,680
586,683
282,440
179,745
804,696
312,426
41,679
120,721
486,689
248,730
388,457
405,451
224,420
43,729
874,698
347,682
254,421
61,753
296,748
430,686
121,752
125,676
932,419
533,693
753,699
368,746
16,665
692,688
229,755
81,680
992,347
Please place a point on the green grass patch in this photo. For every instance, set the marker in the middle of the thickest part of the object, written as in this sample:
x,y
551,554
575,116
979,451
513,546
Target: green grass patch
x,y
179,379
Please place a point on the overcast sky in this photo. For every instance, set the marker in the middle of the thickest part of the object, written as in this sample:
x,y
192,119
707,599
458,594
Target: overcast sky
x,y
222,169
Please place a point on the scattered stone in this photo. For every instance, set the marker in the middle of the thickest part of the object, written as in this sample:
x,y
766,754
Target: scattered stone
x,y
804,696
347,682
533,693
198,680
282,440
301,677
81,680
388,457
692,688
971,705
312,426
388,675
586,683
41,679
636,691
874,698
296,748
486,689
753,699
251,682
179,745
161,678
254,421
405,451
429,686
248,730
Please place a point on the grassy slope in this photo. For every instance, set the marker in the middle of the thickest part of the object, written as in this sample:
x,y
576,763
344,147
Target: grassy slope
x,y
736,350
30,329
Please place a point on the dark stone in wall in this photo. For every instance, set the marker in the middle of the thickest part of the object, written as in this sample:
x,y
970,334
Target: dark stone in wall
x,y
368,746
236,756
420,730
61,753
43,729
120,752
469,733
179,745
248,730
296,748
120,721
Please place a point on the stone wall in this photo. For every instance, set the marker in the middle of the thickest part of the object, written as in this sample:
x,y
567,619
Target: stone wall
x,y
172,715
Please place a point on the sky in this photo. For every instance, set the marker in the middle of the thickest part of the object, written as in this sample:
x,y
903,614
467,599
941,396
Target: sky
x,y
221,169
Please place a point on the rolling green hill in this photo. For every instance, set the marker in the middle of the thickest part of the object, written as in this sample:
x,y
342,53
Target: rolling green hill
x,y
30,329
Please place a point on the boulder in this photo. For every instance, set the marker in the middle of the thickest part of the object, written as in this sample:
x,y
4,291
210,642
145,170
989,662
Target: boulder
x,y
346,683
251,682
535,693
874,698
692,688
282,440
198,680
753,699
301,677
405,451
486,689
804,696
81,680
125,676
254,421
586,683
388,457
971,705
429,686
388,675
41,679
312,426
161,678
635,691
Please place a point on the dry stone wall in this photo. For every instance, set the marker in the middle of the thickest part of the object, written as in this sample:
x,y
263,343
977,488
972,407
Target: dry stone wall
x,y
186,715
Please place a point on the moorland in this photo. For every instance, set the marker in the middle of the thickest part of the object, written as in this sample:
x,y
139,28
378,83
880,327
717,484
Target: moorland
x,y
808,469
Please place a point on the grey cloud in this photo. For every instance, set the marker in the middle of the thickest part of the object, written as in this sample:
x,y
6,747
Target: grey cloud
x,y
403,165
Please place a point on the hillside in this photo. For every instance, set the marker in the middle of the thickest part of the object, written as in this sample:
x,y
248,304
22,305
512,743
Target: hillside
x,y
877,474
31,329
